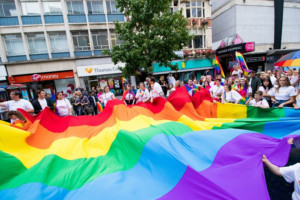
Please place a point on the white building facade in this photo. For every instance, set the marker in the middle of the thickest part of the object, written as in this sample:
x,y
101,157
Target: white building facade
x,y
254,20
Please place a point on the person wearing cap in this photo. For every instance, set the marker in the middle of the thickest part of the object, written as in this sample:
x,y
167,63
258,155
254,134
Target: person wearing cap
x,y
254,82
17,102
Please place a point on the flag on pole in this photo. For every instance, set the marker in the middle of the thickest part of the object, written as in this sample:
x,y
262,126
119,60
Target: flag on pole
x,y
217,65
240,59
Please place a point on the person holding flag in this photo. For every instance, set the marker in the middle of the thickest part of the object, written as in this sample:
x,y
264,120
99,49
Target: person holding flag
x,y
242,63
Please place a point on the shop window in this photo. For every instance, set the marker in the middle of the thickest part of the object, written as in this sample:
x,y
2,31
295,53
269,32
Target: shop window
x,y
52,7
194,9
8,8
30,7
75,7
37,43
100,39
111,7
95,7
59,42
114,40
14,45
81,40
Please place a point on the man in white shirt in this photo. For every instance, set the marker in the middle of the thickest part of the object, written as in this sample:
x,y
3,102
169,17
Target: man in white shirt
x,y
156,90
272,77
216,89
290,173
209,79
16,103
41,102
171,79
258,100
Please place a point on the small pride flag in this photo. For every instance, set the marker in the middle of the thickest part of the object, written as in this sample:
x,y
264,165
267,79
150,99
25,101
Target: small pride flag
x,y
216,63
242,62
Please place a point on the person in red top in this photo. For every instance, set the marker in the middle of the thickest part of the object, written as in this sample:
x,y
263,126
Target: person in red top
x,y
128,95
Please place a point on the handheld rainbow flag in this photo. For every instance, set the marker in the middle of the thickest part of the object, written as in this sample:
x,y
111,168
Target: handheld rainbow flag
x,y
99,107
216,63
242,62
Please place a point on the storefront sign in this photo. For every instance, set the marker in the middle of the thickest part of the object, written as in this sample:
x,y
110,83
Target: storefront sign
x,y
3,73
242,48
94,70
44,77
255,59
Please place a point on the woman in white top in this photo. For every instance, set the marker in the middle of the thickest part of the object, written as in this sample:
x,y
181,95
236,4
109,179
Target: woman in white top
x,y
142,95
284,94
265,88
294,80
170,90
297,101
230,96
107,95
62,106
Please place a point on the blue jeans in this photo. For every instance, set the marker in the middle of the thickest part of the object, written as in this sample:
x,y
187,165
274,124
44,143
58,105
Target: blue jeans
x,y
275,105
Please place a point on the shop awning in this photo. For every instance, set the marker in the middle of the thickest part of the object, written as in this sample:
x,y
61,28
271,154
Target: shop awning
x,y
184,65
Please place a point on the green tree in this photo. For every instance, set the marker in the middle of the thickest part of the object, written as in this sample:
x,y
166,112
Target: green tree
x,y
152,33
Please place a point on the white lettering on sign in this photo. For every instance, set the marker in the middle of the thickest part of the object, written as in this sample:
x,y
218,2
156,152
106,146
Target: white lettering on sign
x,y
48,77
91,70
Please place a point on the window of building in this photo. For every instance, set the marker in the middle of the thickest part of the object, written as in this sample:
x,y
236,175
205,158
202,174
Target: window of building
x,y
111,7
8,8
37,43
114,40
81,40
199,40
30,7
100,39
194,9
59,42
75,7
52,7
14,45
95,7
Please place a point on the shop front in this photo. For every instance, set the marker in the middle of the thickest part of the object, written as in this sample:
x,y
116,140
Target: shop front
x,y
50,82
226,54
186,69
102,75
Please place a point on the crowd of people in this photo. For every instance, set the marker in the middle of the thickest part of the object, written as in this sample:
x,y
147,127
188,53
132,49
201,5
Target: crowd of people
x,y
265,89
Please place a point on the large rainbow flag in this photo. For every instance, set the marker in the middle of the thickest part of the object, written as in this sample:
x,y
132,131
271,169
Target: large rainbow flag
x,y
181,148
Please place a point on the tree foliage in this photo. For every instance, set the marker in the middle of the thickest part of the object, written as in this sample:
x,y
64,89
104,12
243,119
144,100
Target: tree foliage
x,y
151,34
